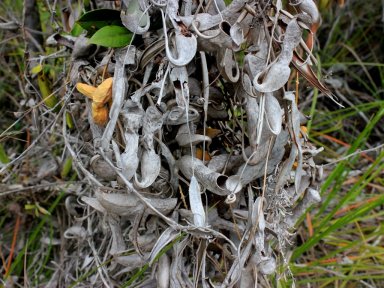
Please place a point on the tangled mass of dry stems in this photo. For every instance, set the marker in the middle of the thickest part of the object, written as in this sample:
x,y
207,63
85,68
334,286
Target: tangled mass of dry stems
x,y
194,150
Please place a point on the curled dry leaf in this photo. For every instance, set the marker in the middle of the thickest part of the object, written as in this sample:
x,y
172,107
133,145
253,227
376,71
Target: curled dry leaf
x,y
118,244
252,109
309,7
179,78
186,138
213,181
75,232
278,72
276,76
214,41
94,203
185,46
237,34
134,19
273,114
225,161
228,66
129,158
174,180
249,173
130,205
177,116
294,122
204,21
150,169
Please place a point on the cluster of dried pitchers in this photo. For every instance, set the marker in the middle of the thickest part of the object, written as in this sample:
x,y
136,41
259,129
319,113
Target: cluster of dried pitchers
x,y
202,167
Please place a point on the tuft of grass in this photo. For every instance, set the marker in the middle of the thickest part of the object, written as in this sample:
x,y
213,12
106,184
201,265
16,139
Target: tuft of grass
x,y
33,255
345,248
32,260
140,272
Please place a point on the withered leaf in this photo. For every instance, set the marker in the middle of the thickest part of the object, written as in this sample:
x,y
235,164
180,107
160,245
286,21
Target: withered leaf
x,y
150,169
185,46
273,114
165,238
196,203
129,204
134,19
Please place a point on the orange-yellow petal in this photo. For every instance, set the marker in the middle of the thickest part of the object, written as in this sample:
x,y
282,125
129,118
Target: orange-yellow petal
x,y
100,114
304,131
86,89
212,132
103,92
199,154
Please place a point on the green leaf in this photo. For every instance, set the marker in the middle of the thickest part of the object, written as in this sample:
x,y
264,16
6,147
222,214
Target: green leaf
x,y
97,19
67,167
76,30
3,155
42,210
112,36
69,120
37,230
29,206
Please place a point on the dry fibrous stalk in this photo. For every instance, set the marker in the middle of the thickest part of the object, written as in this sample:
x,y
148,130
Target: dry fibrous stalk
x,y
198,156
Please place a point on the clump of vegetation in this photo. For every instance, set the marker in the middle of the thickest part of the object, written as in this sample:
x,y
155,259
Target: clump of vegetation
x,y
342,242
169,143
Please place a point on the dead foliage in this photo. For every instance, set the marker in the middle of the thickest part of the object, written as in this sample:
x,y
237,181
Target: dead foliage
x,y
190,149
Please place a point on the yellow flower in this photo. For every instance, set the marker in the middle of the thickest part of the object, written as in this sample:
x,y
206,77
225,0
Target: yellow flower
x,y
100,96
